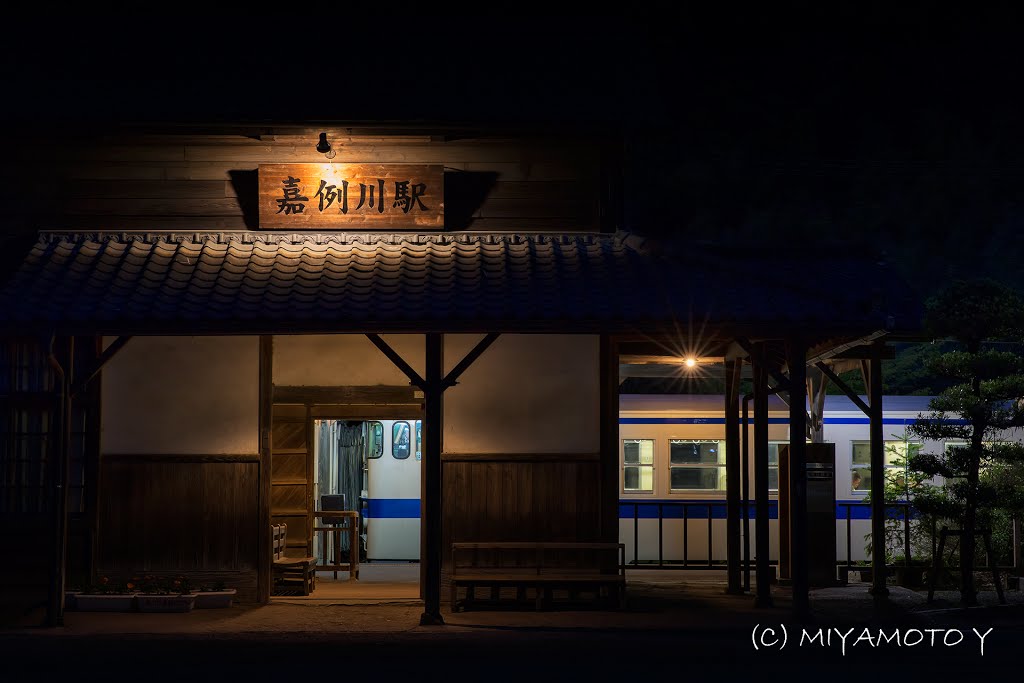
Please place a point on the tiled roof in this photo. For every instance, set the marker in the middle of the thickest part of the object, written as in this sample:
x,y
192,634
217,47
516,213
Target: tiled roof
x,y
272,282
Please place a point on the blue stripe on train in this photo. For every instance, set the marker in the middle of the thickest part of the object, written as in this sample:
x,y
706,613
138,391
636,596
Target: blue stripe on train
x,y
409,508
648,509
392,508
688,420
905,421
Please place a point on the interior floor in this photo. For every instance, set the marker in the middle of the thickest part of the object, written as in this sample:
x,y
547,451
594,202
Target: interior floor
x,y
391,582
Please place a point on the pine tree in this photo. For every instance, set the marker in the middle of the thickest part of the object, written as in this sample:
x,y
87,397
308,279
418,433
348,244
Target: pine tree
x,y
985,403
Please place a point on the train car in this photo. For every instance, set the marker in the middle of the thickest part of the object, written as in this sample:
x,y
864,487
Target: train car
x,y
672,473
375,464
672,477
391,510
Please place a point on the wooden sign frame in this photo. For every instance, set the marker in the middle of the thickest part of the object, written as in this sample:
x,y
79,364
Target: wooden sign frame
x,y
351,196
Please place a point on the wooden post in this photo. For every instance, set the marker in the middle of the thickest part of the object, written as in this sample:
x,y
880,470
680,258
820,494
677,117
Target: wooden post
x,y
266,407
732,475
61,467
609,444
785,515
94,405
764,590
796,357
874,386
1016,546
745,469
433,420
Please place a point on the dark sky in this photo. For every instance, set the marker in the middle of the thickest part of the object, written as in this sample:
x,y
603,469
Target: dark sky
x,y
866,126
733,62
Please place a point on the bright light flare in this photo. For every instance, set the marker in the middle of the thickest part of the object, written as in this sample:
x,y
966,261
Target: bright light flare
x,y
690,362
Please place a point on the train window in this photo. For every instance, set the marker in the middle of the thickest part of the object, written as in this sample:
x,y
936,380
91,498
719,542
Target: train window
x,y
400,440
773,465
696,465
638,465
419,439
374,439
860,461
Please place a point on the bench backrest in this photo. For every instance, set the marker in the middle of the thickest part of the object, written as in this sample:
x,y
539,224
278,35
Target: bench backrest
x,y
279,536
543,557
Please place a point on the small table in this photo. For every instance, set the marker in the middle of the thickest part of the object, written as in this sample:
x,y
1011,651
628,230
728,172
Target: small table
x,y
349,522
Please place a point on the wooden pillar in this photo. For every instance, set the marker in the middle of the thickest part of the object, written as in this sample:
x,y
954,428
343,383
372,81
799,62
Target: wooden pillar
x,y
785,515
609,439
732,475
433,421
796,357
877,448
59,477
92,397
745,469
266,407
764,589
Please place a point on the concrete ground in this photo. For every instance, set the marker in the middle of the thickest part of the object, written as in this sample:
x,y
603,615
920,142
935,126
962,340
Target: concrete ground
x,y
679,622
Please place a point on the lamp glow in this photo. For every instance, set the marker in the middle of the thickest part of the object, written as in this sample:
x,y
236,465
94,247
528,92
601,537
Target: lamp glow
x,y
690,362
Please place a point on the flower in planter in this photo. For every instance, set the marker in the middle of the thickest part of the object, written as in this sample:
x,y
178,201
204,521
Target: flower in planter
x,y
108,586
215,587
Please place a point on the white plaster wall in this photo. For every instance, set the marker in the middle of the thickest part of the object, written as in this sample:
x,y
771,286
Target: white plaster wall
x,y
525,394
182,395
343,360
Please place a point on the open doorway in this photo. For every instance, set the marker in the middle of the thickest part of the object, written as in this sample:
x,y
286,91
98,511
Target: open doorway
x,y
371,467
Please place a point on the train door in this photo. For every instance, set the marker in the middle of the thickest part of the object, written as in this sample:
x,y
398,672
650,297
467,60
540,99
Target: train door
x,y
392,495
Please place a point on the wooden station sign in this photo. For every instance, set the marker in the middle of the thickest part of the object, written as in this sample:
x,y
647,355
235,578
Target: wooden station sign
x,y
347,196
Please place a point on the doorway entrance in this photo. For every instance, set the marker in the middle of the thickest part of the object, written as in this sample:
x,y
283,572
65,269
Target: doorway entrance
x,y
371,467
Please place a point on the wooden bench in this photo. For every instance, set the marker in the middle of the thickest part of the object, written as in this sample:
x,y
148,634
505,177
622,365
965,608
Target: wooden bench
x,y
544,567
291,571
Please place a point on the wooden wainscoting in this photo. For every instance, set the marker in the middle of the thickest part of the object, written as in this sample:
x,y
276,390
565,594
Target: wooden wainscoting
x,y
519,497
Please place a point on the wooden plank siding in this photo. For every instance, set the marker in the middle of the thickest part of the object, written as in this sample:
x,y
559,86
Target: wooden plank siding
x,y
190,515
519,497
291,489
195,182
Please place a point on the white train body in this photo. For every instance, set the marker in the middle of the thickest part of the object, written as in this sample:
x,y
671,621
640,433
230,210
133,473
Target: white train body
x,y
671,451
392,499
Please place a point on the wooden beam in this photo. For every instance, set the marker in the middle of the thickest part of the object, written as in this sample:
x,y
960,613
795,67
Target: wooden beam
x,y
844,387
781,381
361,395
103,359
516,458
817,383
180,458
399,362
452,377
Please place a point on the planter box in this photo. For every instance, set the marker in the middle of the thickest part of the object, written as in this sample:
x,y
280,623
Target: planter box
x,y
104,603
214,599
70,599
166,603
